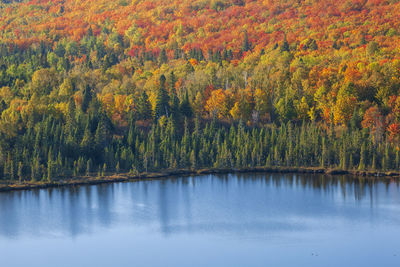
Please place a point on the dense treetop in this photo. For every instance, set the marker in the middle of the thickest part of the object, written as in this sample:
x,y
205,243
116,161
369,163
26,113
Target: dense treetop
x,y
206,24
97,77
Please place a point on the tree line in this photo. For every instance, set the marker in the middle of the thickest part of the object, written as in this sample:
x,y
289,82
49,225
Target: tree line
x,y
86,143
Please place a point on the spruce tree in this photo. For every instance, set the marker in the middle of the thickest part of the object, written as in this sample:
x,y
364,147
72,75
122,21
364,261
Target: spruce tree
x,y
246,43
103,171
49,169
162,106
163,57
19,173
185,107
88,167
87,140
361,165
285,46
87,98
174,105
143,107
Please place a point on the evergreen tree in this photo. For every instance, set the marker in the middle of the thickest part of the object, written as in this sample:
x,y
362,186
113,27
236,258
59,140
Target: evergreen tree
x,y
87,140
285,45
362,164
172,80
101,135
174,105
20,172
162,105
185,107
131,135
163,57
355,120
49,168
88,167
87,98
103,171
143,107
246,43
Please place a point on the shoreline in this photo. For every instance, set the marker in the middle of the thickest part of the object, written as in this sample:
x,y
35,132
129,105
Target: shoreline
x,y
126,177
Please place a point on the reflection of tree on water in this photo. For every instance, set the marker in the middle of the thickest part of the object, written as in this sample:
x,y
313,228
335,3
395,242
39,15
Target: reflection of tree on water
x,y
74,213
234,202
9,215
355,186
174,203
65,210
163,207
186,198
105,195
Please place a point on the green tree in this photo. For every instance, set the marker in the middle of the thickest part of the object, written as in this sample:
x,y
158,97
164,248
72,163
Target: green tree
x,y
246,44
20,171
143,107
163,57
87,98
162,105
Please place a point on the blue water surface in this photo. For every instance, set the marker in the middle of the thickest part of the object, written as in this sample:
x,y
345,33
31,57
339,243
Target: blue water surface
x,y
215,220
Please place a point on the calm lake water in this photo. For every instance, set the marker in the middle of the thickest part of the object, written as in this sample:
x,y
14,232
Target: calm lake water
x,y
216,220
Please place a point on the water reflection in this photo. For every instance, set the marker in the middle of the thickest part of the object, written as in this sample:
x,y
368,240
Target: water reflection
x,y
240,204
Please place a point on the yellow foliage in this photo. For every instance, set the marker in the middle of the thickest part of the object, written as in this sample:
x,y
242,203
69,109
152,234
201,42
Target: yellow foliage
x,y
6,94
66,88
218,104
119,101
343,109
62,107
235,111
302,109
108,102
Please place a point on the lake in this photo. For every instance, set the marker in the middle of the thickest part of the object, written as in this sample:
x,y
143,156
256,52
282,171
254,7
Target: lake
x,y
213,220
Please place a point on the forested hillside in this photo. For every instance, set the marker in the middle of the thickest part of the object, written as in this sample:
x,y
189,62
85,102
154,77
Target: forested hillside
x,y
107,86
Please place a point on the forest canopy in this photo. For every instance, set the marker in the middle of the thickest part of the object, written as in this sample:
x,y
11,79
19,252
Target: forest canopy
x,y
132,85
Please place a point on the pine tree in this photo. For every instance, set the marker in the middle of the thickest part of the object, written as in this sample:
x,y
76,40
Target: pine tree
x,y
12,171
162,106
88,167
361,165
386,162
355,120
246,43
343,157
87,98
185,107
163,57
49,169
117,168
172,80
103,171
143,107
373,165
285,46
174,105
131,135
351,161
19,173
100,137
33,172
87,140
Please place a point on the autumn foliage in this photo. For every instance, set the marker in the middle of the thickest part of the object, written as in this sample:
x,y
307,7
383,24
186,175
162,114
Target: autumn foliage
x,y
263,63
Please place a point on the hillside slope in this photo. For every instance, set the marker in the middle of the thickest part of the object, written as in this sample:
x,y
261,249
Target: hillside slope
x,y
206,24
109,85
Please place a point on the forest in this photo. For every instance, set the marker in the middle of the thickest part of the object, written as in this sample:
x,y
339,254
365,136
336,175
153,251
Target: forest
x,y
90,88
